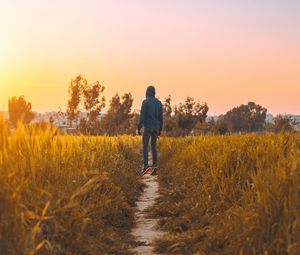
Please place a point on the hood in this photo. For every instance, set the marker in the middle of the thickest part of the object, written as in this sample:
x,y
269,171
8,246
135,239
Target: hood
x,y
150,92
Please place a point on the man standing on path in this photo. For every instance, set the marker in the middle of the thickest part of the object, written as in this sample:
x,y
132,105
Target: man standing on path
x,y
151,118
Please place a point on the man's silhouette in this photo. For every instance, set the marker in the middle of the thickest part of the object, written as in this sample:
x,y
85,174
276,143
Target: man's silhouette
x,y
151,118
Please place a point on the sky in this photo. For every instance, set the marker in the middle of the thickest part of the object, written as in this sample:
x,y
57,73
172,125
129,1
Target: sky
x,y
222,52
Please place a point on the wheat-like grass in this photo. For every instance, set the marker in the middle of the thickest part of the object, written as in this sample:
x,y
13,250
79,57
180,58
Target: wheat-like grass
x,y
66,194
230,195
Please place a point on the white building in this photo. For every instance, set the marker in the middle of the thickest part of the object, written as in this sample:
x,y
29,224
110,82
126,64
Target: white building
x,y
296,119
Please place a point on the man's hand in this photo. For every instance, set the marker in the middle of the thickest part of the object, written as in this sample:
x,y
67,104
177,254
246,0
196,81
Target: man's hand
x,y
138,132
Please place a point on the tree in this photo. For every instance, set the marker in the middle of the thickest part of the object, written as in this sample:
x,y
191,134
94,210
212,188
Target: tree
x,y
94,102
246,118
283,123
117,119
126,116
19,110
133,122
189,113
75,91
200,112
221,126
169,122
167,108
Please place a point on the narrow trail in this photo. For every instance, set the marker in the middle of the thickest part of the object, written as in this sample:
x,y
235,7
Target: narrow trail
x,y
146,229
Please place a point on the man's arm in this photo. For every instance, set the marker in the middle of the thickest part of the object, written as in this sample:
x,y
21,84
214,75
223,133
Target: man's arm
x,y
142,116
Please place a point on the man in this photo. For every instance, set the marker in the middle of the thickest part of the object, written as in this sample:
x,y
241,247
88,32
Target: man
x,y
151,118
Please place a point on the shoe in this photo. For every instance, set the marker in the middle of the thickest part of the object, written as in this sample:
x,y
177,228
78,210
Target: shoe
x,y
154,172
145,170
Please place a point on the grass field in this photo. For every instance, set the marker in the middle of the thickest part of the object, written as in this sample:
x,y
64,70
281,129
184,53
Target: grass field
x,y
219,195
66,195
230,195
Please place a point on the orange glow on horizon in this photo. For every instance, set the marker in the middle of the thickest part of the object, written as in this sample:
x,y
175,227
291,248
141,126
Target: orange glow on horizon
x,y
215,52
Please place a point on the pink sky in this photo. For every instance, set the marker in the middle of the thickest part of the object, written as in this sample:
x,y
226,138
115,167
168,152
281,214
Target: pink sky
x,y
223,52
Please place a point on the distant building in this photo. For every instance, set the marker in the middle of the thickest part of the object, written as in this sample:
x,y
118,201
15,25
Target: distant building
x,y
269,118
60,119
296,119
212,118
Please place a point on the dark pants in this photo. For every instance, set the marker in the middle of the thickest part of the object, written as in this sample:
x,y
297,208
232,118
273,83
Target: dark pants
x,y
153,134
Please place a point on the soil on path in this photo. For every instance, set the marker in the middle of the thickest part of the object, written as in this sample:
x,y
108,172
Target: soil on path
x,y
146,229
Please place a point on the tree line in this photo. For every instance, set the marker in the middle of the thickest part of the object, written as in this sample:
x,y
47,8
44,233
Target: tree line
x,y
89,98
187,118
119,118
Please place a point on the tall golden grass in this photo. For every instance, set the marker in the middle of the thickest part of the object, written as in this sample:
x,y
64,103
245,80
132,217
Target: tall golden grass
x,y
66,194
230,195
220,195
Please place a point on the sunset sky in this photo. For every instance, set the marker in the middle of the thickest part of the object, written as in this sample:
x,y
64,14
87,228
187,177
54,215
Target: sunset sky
x,y
223,52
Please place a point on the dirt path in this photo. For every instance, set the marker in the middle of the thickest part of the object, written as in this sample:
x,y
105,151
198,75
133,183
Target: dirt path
x,y
146,229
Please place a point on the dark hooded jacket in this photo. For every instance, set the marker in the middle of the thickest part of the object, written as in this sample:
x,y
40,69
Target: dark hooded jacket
x,y
151,113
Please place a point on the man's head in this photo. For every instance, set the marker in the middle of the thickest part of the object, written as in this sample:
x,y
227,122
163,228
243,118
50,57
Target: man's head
x,y
150,92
